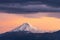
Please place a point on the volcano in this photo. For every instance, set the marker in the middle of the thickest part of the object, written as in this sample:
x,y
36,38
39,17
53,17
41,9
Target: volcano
x,y
25,27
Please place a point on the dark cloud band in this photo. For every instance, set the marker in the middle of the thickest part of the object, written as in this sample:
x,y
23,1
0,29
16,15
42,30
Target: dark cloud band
x,y
29,6
26,8
55,3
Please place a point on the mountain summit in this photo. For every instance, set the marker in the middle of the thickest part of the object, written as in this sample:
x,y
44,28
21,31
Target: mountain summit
x,y
25,27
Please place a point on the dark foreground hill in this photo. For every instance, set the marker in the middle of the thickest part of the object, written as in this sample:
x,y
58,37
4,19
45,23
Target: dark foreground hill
x,y
30,36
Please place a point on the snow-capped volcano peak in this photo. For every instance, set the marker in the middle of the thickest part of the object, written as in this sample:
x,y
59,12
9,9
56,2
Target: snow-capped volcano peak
x,y
26,27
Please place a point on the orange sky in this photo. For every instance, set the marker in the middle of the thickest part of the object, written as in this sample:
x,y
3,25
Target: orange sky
x,y
43,23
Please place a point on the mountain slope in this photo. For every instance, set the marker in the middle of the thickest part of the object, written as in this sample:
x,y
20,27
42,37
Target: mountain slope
x,y
25,27
30,36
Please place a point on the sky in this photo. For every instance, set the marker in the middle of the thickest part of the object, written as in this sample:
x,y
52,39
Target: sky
x,y
42,14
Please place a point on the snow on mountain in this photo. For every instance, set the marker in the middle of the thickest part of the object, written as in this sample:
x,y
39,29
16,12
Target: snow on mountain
x,y
26,27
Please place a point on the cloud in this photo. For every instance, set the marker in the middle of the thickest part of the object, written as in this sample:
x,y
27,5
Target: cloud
x,y
32,8
41,14
28,6
34,15
54,15
55,3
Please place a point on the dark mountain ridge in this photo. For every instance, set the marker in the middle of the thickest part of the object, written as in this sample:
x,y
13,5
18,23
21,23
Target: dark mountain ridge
x,y
24,35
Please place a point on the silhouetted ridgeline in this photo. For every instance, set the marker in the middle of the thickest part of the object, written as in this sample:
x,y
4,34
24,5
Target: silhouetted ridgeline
x,y
30,36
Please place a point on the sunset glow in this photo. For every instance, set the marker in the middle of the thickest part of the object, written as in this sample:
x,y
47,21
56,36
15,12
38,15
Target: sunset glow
x,y
44,23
